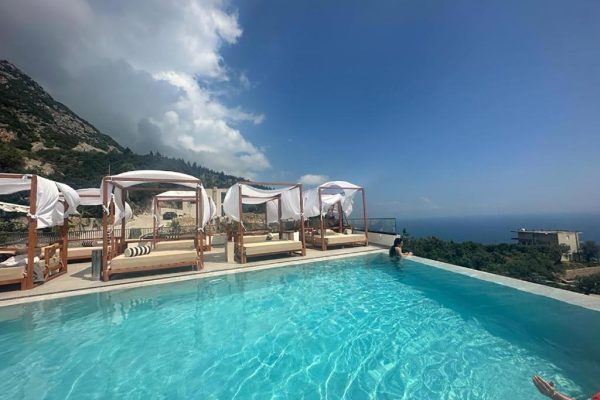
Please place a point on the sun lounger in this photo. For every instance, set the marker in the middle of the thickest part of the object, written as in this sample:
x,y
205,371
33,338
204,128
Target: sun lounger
x,y
338,239
161,259
12,275
268,247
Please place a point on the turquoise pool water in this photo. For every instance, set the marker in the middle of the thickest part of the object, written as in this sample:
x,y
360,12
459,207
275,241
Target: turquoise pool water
x,y
357,328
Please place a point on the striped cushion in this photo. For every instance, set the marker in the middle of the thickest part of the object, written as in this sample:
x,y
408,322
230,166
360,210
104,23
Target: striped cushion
x,y
137,251
87,243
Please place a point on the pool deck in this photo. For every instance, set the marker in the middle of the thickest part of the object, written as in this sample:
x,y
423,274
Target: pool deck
x,y
79,281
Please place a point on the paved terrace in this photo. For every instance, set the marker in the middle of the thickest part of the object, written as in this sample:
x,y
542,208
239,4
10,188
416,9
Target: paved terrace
x,y
78,279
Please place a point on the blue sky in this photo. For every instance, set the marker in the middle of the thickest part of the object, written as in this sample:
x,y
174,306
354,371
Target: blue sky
x,y
438,108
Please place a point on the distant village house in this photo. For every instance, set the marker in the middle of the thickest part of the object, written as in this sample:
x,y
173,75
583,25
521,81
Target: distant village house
x,y
550,237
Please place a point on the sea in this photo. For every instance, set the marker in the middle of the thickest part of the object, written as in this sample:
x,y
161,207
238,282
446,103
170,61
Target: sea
x,y
497,228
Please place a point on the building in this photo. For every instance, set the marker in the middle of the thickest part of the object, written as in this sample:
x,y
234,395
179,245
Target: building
x,y
550,237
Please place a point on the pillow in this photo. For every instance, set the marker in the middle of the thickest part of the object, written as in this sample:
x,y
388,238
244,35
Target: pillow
x,y
269,236
87,243
16,261
137,251
347,231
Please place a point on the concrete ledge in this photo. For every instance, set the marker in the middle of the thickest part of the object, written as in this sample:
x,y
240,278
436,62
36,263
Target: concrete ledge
x,y
578,299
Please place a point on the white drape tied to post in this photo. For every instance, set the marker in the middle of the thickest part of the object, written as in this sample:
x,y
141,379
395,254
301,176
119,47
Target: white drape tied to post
x,y
50,211
93,197
331,194
289,197
70,196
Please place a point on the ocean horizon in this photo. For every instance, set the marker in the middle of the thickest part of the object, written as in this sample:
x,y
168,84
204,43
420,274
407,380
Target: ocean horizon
x,y
494,229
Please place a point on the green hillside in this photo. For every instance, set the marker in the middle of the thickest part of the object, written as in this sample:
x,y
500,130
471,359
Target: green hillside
x,y
42,136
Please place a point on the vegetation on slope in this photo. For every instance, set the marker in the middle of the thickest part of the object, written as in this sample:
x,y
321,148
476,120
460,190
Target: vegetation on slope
x,y
539,264
40,135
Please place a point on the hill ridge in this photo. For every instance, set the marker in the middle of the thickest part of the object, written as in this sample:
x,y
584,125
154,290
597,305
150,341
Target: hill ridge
x,y
41,135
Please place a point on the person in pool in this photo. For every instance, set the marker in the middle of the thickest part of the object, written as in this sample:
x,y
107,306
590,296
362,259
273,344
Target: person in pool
x,y
548,389
396,249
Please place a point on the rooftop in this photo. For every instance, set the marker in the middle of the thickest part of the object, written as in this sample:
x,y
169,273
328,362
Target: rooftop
x,y
544,231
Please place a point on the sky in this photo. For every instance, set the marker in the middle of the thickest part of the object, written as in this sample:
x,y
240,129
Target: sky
x,y
437,108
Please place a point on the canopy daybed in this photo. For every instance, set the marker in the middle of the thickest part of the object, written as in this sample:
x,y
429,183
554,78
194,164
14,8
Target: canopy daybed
x,y
91,197
335,198
50,204
114,191
281,204
179,240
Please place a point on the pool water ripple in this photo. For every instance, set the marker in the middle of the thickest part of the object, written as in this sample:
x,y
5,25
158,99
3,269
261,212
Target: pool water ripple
x,y
357,328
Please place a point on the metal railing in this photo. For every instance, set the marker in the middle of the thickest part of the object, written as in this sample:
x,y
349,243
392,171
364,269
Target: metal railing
x,y
375,225
44,238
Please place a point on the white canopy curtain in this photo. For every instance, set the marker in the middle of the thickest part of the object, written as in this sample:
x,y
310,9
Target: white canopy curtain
x,y
132,178
291,202
186,195
50,203
93,197
49,209
331,194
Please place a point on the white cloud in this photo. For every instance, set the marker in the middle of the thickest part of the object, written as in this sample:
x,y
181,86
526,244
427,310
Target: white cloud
x,y
140,70
313,180
426,202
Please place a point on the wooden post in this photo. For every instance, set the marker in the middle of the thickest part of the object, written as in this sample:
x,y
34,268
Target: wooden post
x,y
302,239
323,245
340,216
240,228
32,234
155,221
365,217
64,234
199,220
104,267
279,214
123,244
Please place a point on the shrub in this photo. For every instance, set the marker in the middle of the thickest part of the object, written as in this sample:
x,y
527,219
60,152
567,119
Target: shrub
x,y
589,284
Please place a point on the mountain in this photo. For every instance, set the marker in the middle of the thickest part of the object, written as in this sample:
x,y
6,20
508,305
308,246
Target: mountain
x,y
42,136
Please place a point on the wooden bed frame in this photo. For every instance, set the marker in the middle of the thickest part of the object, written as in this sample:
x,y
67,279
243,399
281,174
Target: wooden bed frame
x,y
321,240
156,259
328,240
57,251
256,247
241,249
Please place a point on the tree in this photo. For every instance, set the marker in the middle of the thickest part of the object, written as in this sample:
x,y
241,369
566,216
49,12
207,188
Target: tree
x,y
590,250
10,159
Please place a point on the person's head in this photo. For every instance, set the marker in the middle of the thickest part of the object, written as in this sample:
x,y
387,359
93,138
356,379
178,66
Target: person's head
x,y
397,242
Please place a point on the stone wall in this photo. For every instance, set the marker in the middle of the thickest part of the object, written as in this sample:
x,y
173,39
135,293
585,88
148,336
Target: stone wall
x,y
579,272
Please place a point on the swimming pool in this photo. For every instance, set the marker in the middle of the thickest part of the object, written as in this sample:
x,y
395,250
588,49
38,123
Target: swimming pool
x,y
361,327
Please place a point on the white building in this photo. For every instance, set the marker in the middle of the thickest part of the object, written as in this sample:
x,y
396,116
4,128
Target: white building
x,y
551,237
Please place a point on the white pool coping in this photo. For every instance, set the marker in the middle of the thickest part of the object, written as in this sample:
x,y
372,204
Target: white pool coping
x,y
577,299
566,296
